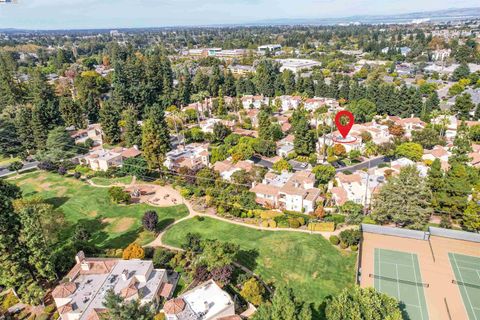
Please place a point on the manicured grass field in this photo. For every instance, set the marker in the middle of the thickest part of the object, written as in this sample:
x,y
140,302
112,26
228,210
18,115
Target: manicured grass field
x,y
107,182
307,263
112,225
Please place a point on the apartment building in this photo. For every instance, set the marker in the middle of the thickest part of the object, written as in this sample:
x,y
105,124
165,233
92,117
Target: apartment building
x,y
192,156
289,191
81,297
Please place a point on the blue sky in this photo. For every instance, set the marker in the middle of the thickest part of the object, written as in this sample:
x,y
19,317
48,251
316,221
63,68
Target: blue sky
x,y
64,14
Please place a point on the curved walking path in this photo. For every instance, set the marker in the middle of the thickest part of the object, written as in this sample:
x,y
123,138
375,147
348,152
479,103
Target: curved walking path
x,y
168,190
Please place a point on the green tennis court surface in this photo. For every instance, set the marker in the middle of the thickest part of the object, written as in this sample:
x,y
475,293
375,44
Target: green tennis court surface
x,y
398,275
467,278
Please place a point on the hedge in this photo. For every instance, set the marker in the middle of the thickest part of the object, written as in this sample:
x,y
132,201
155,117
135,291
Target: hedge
x,y
354,248
270,214
334,240
321,226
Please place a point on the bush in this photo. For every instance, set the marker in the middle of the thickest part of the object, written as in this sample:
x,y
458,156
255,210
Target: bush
x,y
283,224
270,214
334,240
321,226
49,309
343,245
354,248
337,218
159,316
162,257
47,166
62,170
117,195
368,219
9,301
77,175
350,237
43,316
265,223
294,223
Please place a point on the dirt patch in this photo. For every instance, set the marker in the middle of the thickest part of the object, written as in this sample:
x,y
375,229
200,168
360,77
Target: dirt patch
x,y
61,191
93,214
107,220
45,186
123,224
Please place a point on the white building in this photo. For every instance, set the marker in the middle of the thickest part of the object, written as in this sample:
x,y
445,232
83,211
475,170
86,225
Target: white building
x,y
192,156
271,48
82,296
204,302
255,102
103,159
296,65
290,191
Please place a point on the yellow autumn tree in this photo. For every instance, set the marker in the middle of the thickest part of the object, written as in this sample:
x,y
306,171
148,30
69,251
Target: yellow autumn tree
x,y
133,251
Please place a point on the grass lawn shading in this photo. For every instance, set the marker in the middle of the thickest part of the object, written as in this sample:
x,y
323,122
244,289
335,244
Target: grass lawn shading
x,y
307,263
111,181
398,275
111,225
467,278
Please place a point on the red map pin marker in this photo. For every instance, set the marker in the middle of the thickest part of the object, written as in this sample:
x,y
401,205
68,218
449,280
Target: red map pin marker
x,y
344,129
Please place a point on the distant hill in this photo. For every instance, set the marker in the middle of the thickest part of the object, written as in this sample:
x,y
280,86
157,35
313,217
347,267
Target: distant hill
x,y
414,17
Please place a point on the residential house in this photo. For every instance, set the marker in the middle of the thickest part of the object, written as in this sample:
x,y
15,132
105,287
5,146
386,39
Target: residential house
x,y
290,191
285,146
192,156
227,168
358,187
289,102
206,301
93,132
103,159
249,101
82,296
438,152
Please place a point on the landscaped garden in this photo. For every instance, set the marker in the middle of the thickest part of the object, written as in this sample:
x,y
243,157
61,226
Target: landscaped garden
x,y
307,263
111,225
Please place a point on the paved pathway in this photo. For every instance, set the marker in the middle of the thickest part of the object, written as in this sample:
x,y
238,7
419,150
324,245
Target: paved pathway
x,y
193,213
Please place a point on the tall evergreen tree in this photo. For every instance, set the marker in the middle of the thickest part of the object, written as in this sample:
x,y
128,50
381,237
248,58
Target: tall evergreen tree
x,y
13,266
155,137
133,131
462,145
304,142
463,106
109,118
72,113
39,250
91,108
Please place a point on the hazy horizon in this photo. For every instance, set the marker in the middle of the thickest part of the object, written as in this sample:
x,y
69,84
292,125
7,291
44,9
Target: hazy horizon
x,y
108,14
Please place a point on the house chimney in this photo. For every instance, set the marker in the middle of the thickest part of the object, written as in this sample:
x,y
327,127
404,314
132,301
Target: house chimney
x,y
125,275
79,257
85,266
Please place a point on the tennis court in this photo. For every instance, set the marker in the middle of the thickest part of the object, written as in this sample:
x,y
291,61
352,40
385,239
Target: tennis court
x,y
467,278
397,274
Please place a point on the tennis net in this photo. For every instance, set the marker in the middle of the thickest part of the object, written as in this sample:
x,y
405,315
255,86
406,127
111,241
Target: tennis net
x,y
413,283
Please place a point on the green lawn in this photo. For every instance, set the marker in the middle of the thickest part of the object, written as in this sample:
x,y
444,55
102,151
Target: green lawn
x,y
112,225
5,161
110,181
307,263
